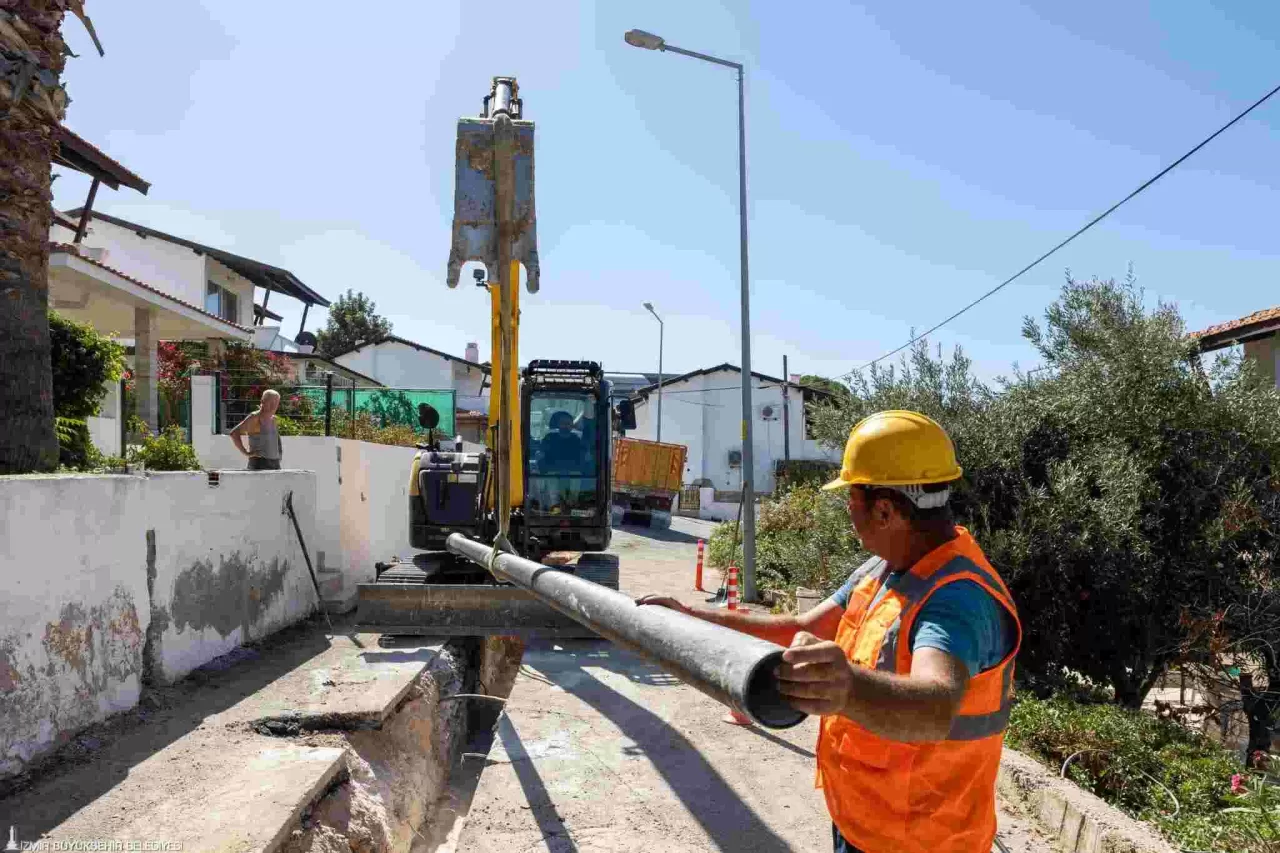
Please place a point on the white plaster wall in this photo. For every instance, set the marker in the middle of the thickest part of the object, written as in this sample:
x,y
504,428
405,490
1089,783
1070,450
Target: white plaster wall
x,y
373,506
398,365
202,417
361,499
172,269
712,510
104,429
387,500
228,567
73,607
91,604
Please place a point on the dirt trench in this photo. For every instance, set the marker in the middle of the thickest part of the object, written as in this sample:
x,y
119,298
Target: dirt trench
x,y
387,796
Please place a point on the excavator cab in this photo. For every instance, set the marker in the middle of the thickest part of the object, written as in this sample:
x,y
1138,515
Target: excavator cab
x,y
567,426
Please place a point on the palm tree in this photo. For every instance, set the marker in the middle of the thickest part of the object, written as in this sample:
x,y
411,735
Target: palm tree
x,y
32,105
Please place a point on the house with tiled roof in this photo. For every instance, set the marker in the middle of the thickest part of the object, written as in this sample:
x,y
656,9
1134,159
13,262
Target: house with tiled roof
x,y
1258,333
145,286
702,410
398,362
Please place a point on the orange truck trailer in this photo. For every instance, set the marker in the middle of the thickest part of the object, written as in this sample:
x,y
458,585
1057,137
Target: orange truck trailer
x,y
647,477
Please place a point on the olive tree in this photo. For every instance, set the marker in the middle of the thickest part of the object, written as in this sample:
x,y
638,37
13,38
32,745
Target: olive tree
x,y
1126,491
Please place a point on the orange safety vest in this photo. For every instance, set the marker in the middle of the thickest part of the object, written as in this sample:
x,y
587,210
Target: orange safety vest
x,y
925,797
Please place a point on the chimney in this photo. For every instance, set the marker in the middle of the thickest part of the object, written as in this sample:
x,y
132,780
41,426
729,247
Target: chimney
x,y
473,353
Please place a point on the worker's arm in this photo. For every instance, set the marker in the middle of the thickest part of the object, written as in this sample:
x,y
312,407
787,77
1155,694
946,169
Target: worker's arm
x,y
816,677
245,427
821,621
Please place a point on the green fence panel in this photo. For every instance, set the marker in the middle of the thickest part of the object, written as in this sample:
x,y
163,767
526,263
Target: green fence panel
x,y
389,406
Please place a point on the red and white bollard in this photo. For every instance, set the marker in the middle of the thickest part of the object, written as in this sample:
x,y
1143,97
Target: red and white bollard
x,y
733,717
697,577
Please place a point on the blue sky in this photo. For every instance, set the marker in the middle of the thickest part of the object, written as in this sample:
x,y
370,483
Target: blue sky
x,y
902,158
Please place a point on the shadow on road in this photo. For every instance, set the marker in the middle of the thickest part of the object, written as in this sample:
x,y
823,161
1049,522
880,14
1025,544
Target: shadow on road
x,y
669,535
731,824
554,833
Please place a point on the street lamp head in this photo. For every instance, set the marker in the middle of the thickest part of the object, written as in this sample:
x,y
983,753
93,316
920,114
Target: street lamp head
x,y
649,305
639,38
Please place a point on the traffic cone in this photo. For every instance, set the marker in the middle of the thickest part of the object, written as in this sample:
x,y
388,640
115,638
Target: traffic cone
x,y
697,577
733,717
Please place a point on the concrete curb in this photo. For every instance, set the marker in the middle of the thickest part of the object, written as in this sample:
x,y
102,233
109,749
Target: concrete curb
x,y
1077,820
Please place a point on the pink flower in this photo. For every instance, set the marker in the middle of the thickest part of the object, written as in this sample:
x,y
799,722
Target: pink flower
x,y
1237,784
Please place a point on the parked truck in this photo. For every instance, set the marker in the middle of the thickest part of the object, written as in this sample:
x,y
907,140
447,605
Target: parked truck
x,y
646,479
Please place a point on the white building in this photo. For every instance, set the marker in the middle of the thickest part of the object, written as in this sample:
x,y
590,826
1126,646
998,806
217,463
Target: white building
x,y
145,286
401,363
703,411
220,282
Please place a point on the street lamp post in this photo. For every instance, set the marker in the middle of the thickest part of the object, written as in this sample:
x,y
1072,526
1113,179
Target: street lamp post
x,y
648,41
649,305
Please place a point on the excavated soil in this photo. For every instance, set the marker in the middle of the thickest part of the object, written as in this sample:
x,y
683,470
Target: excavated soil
x,y
395,775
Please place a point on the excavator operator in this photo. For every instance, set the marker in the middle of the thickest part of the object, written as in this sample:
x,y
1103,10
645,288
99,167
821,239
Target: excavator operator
x,y
561,449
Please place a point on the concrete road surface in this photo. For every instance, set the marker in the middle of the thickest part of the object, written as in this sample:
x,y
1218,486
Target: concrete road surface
x,y
601,751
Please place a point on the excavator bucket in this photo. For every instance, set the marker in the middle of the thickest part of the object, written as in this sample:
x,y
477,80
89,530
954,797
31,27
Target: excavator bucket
x,y
477,219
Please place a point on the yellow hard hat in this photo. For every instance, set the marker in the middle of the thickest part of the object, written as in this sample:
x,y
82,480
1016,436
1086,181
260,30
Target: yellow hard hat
x,y
897,448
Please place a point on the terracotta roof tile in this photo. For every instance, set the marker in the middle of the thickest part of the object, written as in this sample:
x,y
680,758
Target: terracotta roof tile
x,y
1257,318
68,248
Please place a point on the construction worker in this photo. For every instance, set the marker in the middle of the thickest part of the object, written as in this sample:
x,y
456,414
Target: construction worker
x,y
910,663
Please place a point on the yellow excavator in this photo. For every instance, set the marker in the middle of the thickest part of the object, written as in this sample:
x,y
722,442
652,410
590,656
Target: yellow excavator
x,y
543,485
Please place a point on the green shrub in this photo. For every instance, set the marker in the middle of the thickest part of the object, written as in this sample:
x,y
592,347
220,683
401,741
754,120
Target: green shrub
x,y
804,472
803,538
1126,756
1127,491
83,362
288,426
76,450
168,451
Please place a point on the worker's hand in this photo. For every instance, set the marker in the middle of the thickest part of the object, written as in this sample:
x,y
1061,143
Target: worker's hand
x,y
662,601
815,676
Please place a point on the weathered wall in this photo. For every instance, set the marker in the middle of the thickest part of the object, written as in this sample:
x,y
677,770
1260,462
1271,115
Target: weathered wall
x,y
107,582
226,567
73,606
362,494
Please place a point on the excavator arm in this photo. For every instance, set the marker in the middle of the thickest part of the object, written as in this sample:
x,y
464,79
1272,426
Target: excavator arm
x,y
495,223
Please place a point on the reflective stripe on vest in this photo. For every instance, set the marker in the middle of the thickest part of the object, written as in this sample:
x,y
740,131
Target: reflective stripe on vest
x,y
919,797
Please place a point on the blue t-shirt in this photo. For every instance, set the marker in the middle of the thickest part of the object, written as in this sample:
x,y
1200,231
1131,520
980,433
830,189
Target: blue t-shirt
x,y
961,619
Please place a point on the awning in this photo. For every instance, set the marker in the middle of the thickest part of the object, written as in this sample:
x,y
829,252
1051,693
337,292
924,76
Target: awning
x,y
76,152
90,292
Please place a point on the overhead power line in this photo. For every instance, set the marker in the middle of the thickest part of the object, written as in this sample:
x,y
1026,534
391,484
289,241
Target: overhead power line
x,y
1092,222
